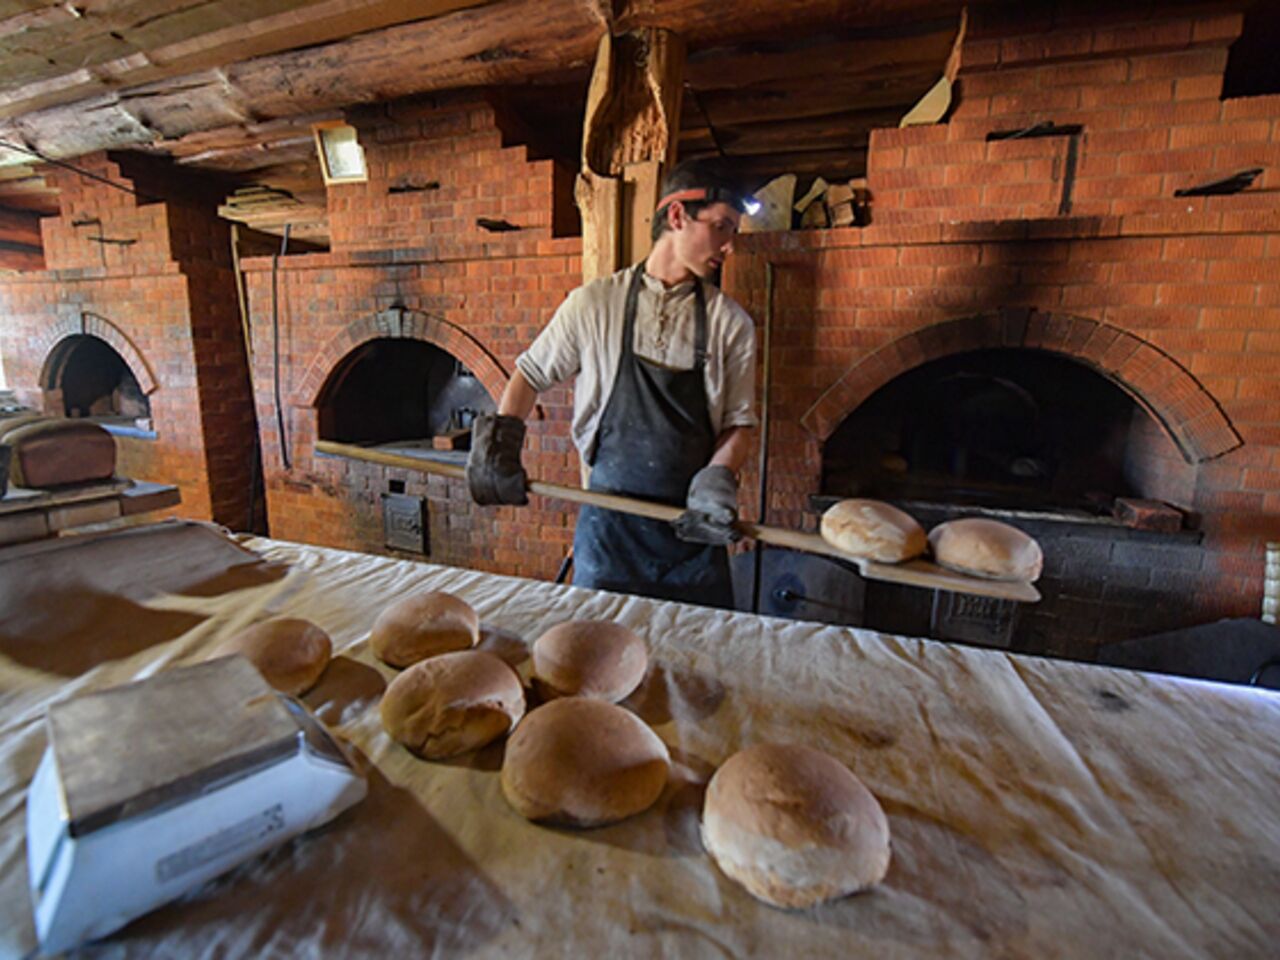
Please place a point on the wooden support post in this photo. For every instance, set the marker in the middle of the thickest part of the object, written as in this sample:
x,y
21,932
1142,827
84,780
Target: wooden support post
x,y
600,204
629,139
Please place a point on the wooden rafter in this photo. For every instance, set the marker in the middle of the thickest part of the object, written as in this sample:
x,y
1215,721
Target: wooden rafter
x,y
63,51
233,86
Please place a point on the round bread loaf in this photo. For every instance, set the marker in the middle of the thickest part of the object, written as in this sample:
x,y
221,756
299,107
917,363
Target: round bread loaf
x,y
452,703
290,654
583,763
588,658
872,529
423,625
794,825
986,548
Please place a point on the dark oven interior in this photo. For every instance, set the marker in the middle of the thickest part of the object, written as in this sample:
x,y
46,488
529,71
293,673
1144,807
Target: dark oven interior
x,y
402,393
999,428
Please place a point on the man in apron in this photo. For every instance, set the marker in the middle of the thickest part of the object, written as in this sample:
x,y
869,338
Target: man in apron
x,y
663,402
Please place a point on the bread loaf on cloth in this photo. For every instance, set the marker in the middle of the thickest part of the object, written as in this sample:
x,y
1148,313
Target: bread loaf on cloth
x,y
423,625
577,762
290,654
986,548
872,529
794,825
452,703
54,453
588,658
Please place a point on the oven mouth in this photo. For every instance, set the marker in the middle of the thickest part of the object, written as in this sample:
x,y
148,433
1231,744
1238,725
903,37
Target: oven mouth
x,y
999,430
404,396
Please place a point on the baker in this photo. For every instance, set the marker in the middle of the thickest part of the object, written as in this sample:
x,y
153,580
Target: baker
x,y
663,402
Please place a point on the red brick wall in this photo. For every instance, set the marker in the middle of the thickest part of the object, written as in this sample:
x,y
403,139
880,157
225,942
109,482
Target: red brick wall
x,y
458,147
1176,300
415,264
166,302
1147,96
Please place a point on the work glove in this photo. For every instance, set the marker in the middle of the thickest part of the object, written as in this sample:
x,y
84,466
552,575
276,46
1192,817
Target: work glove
x,y
494,473
711,510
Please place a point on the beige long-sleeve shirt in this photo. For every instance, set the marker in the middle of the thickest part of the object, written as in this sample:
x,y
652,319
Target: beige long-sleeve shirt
x,y
584,340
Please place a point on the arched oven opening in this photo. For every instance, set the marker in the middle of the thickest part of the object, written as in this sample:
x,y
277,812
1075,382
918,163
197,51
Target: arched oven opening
x,y
1011,429
404,395
86,378
1044,442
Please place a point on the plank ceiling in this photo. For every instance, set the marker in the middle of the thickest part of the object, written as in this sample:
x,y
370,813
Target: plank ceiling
x,y
232,87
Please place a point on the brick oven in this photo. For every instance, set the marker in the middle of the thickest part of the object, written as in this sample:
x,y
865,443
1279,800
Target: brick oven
x,y
443,266
1032,325
1032,244
1029,267
134,323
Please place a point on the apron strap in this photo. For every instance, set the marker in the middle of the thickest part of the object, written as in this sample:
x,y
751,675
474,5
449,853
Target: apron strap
x,y
700,335
629,313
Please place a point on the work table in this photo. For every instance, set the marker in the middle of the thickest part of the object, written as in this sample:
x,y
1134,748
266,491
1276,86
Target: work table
x,y
1038,808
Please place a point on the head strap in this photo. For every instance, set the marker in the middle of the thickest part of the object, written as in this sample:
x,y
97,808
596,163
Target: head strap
x,y
696,193
706,195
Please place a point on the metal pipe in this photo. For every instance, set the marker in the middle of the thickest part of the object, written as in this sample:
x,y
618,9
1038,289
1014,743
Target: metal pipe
x,y
275,345
241,299
1271,583
145,198
758,560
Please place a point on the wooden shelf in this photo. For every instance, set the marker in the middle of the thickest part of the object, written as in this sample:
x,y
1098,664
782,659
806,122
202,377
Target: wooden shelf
x,y
35,514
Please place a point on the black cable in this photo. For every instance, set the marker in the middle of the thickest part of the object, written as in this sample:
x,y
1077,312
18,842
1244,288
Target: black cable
x,y
562,575
787,595
697,102
5,144
275,344
1256,679
254,465
758,559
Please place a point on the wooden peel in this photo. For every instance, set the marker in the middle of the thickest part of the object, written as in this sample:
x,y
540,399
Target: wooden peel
x,y
915,573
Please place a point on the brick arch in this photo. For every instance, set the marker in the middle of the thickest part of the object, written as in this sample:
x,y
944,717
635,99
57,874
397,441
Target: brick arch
x,y
401,323
1159,384
92,324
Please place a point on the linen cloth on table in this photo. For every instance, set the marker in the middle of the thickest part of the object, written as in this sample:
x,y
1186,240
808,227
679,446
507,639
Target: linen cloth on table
x,y
1037,808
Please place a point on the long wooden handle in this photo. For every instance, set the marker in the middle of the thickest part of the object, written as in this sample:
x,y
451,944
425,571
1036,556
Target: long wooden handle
x,y
916,573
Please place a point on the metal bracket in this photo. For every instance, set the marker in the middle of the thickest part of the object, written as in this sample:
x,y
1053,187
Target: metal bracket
x,y
1048,128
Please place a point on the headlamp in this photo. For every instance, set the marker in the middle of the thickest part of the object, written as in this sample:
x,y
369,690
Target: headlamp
x,y
742,202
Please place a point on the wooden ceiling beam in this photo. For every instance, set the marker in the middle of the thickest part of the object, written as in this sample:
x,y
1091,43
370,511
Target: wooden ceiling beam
x,y
253,156
706,23
509,41
21,257
242,135
19,227
796,99
850,129
115,44
755,170
498,43
762,65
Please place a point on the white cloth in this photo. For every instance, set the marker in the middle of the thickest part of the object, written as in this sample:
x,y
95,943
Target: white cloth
x,y
1038,808
584,339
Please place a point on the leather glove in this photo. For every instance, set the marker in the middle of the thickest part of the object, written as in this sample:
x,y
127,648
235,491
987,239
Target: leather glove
x,y
494,473
712,508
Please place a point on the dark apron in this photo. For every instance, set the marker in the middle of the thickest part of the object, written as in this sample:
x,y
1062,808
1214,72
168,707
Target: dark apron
x,y
655,434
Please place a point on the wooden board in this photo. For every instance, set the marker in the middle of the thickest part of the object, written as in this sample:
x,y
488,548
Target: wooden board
x,y
917,573
35,514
